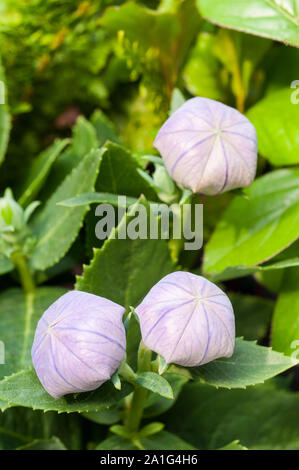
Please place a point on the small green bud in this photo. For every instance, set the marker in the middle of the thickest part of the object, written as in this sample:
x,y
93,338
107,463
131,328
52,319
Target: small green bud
x,y
11,213
168,191
14,232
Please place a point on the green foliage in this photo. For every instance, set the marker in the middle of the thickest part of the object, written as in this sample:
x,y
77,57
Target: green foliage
x,y
60,40
5,265
105,129
153,44
22,426
156,404
56,227
249,365
268,18
239,271
44,444
285,327
202,73
39,171
127,181
234,445
226,64
169,31
252,315
275,118
103,198
24,389
262,417
155,383
84,139
126,283
161,441
269,223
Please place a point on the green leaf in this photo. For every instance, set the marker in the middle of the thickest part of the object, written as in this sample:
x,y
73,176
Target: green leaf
x,y
252,315
142,24
39,171
119,174
268,18
84,137
125,282
275,118
156,404
4,405
116,443
164,440
19,315
255,228
201,73
261,417
155,383
249,365
234,445
92,198
105,129
56,227
241,271
44,444
108,417
282,68
285,327
150,429
240,55
120,430
4,116
166,31
272,278
24,389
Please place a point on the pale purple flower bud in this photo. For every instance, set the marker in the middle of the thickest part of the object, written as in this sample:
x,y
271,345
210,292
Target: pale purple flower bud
x,y
187,319
208,147
79,343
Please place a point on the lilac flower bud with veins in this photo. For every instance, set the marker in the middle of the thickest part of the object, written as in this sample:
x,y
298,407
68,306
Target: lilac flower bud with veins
x,y
79,343
208,147
187,319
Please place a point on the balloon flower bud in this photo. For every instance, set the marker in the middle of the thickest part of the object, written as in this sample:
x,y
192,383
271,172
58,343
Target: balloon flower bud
x,y
208,147
187,319
79,343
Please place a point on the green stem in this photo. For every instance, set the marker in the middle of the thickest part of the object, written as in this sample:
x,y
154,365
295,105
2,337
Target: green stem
x,y
24,272
177,245
135,411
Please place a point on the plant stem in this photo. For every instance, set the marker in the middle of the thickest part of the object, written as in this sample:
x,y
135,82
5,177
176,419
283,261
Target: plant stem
x,y
24,272
241,102
135,411
177,245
